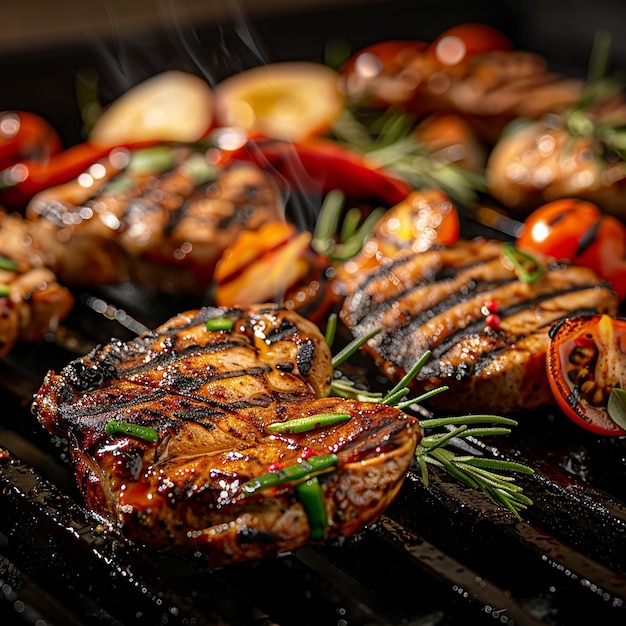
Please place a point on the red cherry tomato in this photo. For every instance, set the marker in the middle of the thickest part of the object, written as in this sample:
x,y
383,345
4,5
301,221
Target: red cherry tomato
x,y
586,359
373,59
578,231
26,136
463,41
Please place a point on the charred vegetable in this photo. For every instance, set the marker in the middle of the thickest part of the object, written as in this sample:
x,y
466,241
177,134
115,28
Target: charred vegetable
x,y
587,371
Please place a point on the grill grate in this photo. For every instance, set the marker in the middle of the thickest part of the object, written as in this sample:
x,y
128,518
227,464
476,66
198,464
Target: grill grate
x,y
443,555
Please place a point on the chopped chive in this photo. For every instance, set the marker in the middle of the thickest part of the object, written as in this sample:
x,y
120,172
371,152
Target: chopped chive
x,y
199,169
312,498
311,422
114,427
526,266
220,323
305,469
8,264
155,160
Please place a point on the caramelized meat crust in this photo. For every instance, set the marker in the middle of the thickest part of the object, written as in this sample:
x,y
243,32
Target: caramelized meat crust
x,y
440,300
209,397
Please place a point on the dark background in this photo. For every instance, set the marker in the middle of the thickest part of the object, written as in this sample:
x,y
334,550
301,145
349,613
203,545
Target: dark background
x,y
41,76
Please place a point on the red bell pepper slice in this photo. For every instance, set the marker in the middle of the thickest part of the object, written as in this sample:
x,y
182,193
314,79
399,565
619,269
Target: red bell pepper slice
x,y
319,165
21,181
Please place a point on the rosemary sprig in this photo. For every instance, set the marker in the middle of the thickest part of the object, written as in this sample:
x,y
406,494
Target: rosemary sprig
x,y
492,476
387,140
609,136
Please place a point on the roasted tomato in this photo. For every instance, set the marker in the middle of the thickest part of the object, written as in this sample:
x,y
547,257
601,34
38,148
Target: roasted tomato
x,y
578,230
587,360
423,219
463,41
26,136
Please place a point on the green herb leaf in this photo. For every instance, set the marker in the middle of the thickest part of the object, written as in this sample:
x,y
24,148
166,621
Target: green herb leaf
x,y
331,329
526,266
8,264
486,474
616,406
155,160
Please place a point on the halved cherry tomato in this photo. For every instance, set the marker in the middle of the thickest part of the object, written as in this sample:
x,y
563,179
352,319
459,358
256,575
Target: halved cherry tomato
x,y
426,217
577,230
463,41
586,359
22,180
26,136
319,166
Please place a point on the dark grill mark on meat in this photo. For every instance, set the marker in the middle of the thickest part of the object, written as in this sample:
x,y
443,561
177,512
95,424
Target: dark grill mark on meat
x,y
435,301
186,385
175,356
247,535
163,229
87,378
200,415
285,330
305,357
184,491
241,215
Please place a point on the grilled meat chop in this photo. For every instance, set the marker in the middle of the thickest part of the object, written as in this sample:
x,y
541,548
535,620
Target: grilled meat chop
x,y
32,302
209,396
159,216
440,300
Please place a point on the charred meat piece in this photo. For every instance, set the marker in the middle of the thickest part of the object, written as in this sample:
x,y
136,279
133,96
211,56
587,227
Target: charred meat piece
x,y
158,216
487,329
32,303
216,480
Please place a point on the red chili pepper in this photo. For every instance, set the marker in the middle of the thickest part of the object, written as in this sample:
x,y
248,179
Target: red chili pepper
x,y
319,166
21,181
577,230
26,136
